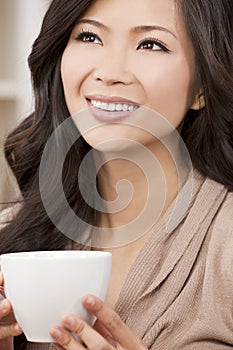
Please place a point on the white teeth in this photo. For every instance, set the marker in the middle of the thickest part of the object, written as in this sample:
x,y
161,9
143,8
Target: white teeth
x,y
111,107
131,108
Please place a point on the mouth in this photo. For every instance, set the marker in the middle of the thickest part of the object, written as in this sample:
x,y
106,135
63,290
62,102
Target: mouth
x,y
113,106
107,109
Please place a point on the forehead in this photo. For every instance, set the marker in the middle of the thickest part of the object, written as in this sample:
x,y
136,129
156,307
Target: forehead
x,y
134,11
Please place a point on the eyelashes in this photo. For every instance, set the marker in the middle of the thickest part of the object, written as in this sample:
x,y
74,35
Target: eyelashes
x,y
149,44
89,37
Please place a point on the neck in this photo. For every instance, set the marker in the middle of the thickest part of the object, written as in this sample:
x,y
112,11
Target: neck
x,y
144,178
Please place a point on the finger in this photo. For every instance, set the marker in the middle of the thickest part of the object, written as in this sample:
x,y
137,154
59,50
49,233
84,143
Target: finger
x,y
111,320
1,285
58,347
5,308
1,279
64,339
101,329
87,334
10,331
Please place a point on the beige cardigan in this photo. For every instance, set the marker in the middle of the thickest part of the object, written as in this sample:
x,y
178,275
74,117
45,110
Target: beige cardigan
x,y
179,292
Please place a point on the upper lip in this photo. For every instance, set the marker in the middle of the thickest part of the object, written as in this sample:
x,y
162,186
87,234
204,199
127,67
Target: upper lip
x,y
111,99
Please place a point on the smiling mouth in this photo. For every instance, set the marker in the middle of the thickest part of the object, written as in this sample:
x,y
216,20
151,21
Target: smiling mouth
x,y
113,107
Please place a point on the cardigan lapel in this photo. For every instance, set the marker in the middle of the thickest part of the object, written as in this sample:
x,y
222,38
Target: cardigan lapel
x,y
193,231
163,250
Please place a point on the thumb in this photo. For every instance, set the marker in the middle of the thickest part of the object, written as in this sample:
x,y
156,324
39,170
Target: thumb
x,y
10,331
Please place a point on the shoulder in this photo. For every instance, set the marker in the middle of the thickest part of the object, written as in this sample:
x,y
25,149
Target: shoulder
x,y
220,252
218,262
224,217
222,226
8,214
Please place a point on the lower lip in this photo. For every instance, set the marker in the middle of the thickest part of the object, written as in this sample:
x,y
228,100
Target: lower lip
x,y
106,116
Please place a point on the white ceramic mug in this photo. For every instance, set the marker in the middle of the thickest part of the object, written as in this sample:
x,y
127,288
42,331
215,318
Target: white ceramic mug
x,y
42,286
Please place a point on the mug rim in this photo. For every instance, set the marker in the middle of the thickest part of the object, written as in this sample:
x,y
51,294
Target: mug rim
x,y
52,254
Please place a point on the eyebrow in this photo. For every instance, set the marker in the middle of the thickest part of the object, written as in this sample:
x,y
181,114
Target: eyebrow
x,y
137,30
144,29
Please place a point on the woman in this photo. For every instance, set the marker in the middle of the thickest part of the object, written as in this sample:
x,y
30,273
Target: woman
x,y
173,57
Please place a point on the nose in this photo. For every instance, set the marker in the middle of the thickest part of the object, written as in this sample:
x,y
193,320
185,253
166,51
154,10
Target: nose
x,y
114,69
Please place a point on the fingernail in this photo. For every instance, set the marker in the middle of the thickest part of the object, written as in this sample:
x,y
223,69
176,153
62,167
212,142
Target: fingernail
x,y
69,320
4,306
90,301
17,328
56,334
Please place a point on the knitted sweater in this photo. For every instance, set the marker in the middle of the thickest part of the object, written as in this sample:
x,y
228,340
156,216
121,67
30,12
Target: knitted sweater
x,y
178,293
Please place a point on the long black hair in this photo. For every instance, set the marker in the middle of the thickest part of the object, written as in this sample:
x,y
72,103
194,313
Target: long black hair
x,y
208,133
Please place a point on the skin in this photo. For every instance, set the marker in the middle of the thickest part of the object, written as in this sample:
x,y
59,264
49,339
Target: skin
x,y
8,326
114,64
117,65
109,331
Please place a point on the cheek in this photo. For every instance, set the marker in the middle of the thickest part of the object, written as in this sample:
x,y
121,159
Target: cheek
x,y
68,65
74,70
168,88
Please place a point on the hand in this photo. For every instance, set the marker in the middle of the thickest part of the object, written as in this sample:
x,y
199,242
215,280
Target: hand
x,y
8,325
108,333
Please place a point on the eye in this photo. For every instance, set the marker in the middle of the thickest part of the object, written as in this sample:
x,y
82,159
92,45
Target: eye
x,y
152,44
88,37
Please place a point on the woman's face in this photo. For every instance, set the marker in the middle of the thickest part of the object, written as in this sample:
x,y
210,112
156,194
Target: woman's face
x,y
122,55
